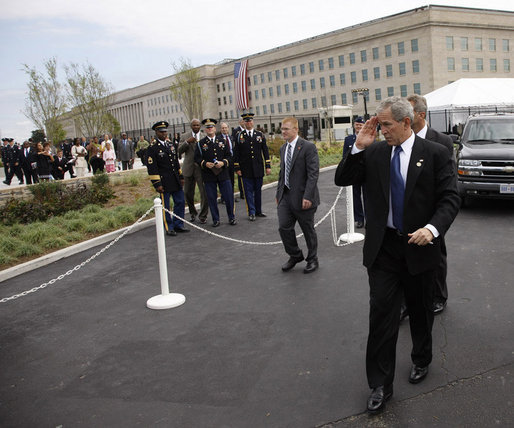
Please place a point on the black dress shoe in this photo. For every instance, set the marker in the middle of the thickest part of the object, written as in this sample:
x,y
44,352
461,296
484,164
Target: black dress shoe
x,y
171,233
203,221
193,218
417,374
404,313
251,217
233,222
311,266
360,224
5,182
216,224
181,230
378,398
439,307
260,215
291,263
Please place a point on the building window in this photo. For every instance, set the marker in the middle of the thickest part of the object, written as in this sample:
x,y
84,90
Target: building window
x,y
270,92
353,77
272,108
333,100
279,105
389,70
449,43
478,43
232,114
321,82
304,85
417,88
323,101
414,45
401,68
286,88
229,85
218,87
479,64
230,99
450,63
465,64
311,67
463,43
286,74
505,45
332,80
313,84
492,45
387,51
219,101
378,94
225,100
296,107
331,63
304,104
295,88
293,70
257,111
302,69
262,77
270,76
506,65
321,65
415,66
279,91
363,56
341,60
264,109
403,90
277,74
355,98
352,58
256,94
376,73
254,79
342,79
375,53
492,65
401,48
263,93
223,87
390,91
364,75
314,103
344,100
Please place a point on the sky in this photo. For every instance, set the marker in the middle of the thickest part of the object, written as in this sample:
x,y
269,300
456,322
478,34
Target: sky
x,y
134,42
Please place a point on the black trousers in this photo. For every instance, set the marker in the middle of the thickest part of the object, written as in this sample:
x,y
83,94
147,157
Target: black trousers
x,y
30,174
389,281
287,218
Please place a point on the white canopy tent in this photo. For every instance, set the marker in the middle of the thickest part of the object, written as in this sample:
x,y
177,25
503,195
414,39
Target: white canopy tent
x,y
450,106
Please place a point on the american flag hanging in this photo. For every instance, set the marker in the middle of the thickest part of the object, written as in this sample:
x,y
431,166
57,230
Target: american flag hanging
x,y
240,72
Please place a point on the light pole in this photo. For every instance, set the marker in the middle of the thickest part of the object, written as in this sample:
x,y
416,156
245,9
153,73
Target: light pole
x,y
364,92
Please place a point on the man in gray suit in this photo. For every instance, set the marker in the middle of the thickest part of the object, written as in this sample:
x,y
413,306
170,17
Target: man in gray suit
x,y
297,195
126,153
192,172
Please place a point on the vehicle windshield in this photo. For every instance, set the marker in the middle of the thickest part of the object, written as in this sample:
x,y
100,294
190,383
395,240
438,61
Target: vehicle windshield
x,y
490,130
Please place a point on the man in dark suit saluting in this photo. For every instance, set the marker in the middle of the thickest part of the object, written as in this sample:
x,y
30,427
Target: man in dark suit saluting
x,y
297,195
412,199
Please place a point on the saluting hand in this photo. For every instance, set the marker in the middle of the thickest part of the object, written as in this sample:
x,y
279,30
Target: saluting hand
x,y
367,134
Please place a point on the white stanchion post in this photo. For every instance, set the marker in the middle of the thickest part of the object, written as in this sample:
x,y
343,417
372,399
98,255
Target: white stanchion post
x,y
165,300
351,236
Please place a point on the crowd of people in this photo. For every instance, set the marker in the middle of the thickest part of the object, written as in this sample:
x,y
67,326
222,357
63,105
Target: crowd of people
x,y
32,162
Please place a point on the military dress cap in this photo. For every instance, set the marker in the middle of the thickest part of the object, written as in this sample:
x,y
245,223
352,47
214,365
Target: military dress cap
x,y
162,125
209,122
360,119
247,116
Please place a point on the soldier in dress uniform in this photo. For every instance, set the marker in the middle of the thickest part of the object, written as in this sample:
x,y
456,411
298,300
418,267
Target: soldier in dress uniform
x,y
251,155
5,144
13,162
212,154
164,171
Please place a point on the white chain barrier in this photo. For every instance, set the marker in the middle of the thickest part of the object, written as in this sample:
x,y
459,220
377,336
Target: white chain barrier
x,y
79,266
331,212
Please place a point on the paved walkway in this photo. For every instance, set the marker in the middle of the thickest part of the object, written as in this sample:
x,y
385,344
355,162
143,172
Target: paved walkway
x,y
252,346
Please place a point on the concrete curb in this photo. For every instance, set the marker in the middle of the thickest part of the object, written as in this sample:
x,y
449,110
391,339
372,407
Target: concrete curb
x,y
86,245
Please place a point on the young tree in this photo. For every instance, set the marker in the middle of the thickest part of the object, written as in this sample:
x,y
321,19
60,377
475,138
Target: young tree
x,y
187,90
46,100
90,95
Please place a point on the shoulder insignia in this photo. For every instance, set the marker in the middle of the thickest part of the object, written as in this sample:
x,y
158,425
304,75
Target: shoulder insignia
x,y
150,160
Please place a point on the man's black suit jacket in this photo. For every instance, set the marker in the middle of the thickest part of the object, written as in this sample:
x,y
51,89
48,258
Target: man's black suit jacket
x,y
303,176
431,197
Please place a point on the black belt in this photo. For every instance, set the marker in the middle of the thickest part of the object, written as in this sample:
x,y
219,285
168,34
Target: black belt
x,y
394,232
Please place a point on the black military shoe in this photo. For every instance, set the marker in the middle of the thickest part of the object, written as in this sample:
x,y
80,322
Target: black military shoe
x,y
291,263
181,230
251,217
171,233
260,215
417,373
378,398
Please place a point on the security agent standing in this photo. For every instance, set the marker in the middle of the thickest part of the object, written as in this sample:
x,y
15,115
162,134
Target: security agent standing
x,y
358,210
250,155
212,154
164,171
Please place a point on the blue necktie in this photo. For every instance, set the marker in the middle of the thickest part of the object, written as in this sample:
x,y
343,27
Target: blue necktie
x,y
289,160
397,190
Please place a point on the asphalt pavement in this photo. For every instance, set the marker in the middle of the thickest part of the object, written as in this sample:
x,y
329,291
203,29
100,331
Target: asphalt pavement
x,y
252,346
